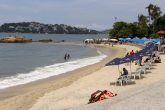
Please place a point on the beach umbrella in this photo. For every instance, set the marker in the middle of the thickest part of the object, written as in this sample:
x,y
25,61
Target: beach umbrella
x,y
145,53
130,58
115,61
161,32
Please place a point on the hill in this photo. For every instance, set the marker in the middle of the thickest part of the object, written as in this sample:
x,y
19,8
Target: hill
x,y
35,27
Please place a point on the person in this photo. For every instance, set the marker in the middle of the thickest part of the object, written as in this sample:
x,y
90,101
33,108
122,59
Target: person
x,y
132,52
140,61
68,56
158,60
127,54
125,72
123,75
65,57
146,60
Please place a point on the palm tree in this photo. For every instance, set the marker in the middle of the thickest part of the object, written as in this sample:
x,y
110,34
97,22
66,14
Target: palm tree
x,y
150,7
155,12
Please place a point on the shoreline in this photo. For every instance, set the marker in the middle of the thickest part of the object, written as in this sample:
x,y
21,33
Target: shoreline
x,y
41,87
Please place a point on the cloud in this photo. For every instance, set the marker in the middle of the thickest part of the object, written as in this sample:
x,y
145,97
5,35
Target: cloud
x,y
92,26
95,14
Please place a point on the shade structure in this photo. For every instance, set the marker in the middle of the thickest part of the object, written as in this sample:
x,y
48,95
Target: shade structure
x,y
115,61
113,40
137,40
133,57
145,52
161,32
130,58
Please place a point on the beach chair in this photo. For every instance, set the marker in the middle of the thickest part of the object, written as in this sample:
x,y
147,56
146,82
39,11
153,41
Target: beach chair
x,y
119,81
137,73
147,65
152,59
123,79
141,69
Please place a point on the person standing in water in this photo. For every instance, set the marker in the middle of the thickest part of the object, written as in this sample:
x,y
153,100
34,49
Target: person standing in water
x,y
66,57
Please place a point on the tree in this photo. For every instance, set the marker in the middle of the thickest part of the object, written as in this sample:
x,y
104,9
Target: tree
x,y
159,23
142,24
142,20
154,13
149,8
118,29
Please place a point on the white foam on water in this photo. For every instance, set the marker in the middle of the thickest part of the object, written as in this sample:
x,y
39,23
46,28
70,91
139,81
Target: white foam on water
x,y
48,71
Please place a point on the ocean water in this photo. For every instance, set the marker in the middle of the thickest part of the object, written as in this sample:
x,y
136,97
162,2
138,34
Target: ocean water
x,y
21,63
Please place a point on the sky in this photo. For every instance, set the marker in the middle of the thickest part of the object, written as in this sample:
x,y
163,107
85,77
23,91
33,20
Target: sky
x,y
93,14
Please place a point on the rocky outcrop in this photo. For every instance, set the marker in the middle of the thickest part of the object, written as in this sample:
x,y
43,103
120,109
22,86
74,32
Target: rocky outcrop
x,y
46,40
16,39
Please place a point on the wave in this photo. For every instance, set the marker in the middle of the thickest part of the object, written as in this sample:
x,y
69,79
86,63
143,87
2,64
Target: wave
x,y
48,71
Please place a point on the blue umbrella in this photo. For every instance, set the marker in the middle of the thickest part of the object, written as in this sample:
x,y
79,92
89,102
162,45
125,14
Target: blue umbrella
x,y
130,58
135,57
115,61
145,53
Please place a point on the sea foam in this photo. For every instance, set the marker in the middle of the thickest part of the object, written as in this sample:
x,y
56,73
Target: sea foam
x,y
48,71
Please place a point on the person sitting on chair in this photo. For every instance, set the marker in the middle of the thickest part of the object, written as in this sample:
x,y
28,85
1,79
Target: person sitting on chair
x,y
125,72
158,60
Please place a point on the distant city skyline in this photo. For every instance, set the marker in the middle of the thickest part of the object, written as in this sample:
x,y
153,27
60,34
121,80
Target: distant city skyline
x,y
93,14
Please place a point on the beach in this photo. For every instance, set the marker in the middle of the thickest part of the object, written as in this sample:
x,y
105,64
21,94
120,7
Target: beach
x,y
73,90
14,97
78,93
146,94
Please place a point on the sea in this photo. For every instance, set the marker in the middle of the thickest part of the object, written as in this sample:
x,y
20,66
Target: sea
x,y
22,63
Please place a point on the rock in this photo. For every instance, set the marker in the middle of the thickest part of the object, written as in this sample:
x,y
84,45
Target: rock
x,y
16,39
45,40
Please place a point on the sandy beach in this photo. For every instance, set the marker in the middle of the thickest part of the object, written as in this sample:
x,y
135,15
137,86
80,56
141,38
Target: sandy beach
x,y
73,90
78,93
